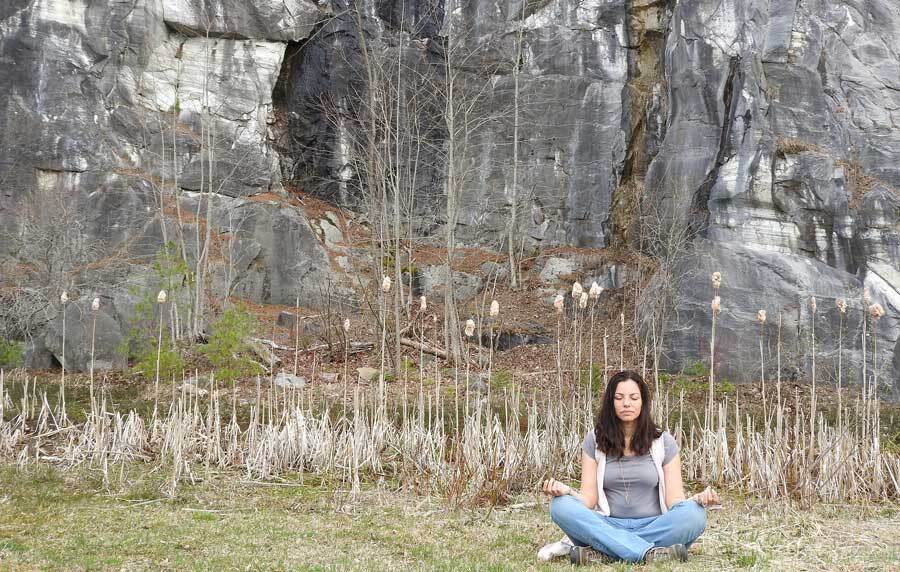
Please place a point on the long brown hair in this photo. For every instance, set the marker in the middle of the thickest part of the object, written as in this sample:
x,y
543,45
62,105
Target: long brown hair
x,y
608,427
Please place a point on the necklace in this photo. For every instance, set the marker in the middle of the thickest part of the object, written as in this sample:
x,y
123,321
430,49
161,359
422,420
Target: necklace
x,y
625,484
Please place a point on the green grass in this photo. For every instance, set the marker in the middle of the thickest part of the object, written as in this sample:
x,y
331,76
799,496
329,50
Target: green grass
x,y
52,520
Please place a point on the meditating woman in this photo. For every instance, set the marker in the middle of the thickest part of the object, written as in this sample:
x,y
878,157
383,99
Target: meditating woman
x,y
631,505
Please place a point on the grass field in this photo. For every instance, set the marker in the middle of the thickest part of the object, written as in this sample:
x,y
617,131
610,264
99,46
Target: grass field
x,y
54,520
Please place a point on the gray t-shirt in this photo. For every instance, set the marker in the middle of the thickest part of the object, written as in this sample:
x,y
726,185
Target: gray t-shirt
x,y
631,483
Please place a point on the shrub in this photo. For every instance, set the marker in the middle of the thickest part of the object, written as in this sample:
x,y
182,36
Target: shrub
x,y
228,344
170,361
697,369
11,354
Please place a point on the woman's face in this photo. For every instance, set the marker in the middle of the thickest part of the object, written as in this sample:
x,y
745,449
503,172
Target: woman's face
x,y
627,400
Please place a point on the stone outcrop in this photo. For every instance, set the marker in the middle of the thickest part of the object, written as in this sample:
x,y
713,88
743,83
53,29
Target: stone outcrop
x,y
757,138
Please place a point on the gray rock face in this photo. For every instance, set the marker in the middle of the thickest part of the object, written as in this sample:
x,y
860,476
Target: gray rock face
x,y
112,113
759,137
779,121
261,19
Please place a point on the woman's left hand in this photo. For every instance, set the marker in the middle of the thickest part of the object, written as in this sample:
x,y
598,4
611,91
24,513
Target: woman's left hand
x,y
707,498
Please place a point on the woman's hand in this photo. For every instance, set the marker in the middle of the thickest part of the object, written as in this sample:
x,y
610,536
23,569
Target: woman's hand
x,y
556,488
708,498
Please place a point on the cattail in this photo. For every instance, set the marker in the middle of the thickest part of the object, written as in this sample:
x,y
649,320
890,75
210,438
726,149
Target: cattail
x,y
577,290
595,291
761,316
423,303
812,305
559,303
95,305
64,297
582,301
716,305
841,305
876,311
495,309
716,280
386,284
866,297
470,328
161,297
347,325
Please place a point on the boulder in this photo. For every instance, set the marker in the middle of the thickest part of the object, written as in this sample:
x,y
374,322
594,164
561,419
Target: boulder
x,y
289,380
432,281
79,322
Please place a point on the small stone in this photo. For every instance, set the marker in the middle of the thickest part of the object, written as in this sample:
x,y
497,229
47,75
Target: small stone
x,y
367,373
192,389
329,377
557,268
285,379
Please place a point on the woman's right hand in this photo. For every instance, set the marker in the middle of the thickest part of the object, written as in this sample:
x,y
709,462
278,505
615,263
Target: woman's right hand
x,y
556,488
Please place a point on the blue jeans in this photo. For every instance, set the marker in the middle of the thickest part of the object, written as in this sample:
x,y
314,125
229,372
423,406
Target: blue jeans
x,y
627,538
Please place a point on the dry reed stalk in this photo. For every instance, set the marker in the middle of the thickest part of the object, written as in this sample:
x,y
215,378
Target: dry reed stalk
x,y
95,307
161,300
63,299
866,299
761,318
559,305
842,309
621,341
716,307
812,402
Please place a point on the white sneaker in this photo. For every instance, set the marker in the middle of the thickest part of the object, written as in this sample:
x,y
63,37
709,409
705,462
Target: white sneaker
x,y
555,550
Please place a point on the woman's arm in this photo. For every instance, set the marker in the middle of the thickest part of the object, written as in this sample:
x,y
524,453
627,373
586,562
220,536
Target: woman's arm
x,y
588,496
674,483
675,487
588,493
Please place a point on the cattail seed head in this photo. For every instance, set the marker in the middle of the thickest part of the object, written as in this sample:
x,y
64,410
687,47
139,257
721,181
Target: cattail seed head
x,y
64,297
716,305
161,297
761,316
95,305
470,328
582,301
559,303
716,280
386,284
577,290
495,309
346,325
841,305
876,310
812,305
595,291
423,303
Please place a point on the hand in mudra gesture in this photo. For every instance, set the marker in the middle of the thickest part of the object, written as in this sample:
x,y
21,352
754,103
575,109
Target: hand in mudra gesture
x,y
709,498
556,488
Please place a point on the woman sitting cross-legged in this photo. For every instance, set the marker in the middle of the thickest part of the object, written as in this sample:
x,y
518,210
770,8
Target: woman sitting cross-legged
x,y
631,505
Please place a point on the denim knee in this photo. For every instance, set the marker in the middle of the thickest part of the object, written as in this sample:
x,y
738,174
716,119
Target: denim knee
x,y
694,517
559,506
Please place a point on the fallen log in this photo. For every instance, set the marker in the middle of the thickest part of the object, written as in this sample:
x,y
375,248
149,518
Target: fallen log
x,y
423,348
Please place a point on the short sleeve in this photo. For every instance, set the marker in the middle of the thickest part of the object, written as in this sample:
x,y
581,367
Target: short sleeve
x,y
590,444
670,446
